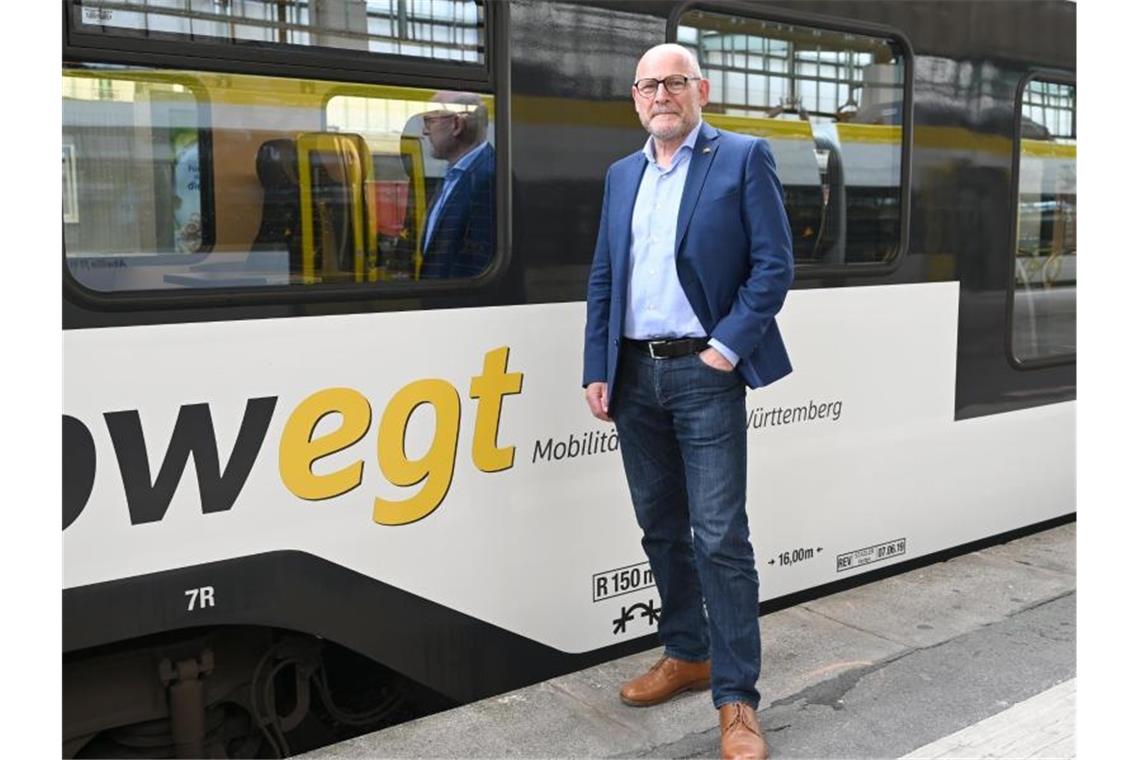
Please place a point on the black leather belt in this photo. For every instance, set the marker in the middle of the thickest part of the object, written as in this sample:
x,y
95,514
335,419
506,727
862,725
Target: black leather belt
x,y
668,348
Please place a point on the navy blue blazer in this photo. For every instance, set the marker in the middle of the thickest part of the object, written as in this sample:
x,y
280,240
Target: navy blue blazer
x,y
734,256
463,242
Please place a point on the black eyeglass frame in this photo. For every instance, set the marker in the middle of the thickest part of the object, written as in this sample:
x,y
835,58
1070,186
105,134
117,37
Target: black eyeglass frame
x,y
665,81
430,119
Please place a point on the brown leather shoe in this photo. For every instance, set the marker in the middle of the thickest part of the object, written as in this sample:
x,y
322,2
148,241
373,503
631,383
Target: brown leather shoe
x,y
740,734
665,680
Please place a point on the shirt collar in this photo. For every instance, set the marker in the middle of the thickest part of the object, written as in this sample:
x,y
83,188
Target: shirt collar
x,y
690,142
467,159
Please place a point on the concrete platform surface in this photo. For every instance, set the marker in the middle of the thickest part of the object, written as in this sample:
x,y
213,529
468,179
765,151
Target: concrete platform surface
x,y
929,661
1040,727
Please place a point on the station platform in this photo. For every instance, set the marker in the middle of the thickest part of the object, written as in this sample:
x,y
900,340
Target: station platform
x,y
971,657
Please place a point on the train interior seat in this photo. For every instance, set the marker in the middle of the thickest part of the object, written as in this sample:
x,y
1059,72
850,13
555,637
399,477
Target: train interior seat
x,y
280,228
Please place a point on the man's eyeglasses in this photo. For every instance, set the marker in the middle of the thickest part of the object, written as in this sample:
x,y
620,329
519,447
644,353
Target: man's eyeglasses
x,y
430,121
674,84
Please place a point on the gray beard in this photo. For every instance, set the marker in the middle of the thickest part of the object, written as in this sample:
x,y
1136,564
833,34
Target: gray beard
x,y
668,133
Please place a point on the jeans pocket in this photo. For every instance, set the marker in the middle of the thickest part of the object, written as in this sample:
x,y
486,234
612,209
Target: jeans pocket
x,y
713,370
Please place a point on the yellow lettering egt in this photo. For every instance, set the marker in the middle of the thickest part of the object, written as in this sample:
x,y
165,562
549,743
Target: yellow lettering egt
x,y
299,450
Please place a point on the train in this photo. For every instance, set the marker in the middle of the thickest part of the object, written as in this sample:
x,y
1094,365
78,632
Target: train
x,y
313,487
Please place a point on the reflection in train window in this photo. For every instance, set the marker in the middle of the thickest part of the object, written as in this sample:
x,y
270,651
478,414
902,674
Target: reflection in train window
x,y
830,105
1044,318
177,179
447,30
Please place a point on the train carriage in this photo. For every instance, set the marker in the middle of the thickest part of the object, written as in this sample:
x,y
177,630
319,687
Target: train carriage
x,y
315,484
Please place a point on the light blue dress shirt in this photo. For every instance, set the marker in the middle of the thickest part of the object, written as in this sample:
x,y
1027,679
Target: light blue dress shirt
x,y
450,180
656,306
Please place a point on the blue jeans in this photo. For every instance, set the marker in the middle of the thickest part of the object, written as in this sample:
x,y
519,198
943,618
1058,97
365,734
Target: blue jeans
x,y
682,427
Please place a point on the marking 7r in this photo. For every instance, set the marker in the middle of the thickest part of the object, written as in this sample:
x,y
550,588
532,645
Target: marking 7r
x,y
203,597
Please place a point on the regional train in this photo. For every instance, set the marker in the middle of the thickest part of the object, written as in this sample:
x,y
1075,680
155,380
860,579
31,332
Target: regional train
x,y
313,487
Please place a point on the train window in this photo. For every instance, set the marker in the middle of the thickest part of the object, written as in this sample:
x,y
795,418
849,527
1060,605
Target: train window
x,y
831,105
177,180
1043,323
447,30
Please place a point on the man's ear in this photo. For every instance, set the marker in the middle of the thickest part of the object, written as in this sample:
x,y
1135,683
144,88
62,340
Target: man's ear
x,y
459,124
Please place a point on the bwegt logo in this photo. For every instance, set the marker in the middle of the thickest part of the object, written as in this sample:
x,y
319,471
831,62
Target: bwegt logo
x,y
220,485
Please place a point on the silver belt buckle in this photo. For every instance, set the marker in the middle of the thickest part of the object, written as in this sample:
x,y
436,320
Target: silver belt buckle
x,y
652,352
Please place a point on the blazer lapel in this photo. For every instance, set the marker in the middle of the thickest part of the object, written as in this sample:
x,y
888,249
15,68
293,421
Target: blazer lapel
x,y
439,221
624,195
703,152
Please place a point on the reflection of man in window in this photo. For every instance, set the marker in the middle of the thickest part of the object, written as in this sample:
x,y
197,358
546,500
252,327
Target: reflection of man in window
x,y
459,236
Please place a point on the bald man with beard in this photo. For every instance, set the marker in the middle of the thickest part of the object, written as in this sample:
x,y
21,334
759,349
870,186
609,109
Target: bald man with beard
x,y
459,232
693,261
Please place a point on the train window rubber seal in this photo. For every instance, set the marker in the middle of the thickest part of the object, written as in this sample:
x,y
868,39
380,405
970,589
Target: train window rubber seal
x,y
837,24
1056,76
188,56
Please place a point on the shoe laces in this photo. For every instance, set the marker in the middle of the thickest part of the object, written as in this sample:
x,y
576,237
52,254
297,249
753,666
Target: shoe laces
x,y
738,719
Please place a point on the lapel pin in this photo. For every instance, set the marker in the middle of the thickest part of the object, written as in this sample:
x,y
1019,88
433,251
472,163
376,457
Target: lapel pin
x,y
707,149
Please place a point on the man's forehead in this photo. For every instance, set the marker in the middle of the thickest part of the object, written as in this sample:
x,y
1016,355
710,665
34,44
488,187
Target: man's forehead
x,y
661,63
447,107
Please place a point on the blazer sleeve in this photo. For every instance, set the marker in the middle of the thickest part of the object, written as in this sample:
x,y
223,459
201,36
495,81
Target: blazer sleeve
x,y
598,301
762,294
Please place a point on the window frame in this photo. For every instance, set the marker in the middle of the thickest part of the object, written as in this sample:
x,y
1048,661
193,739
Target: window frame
x,y
835,24
1054,76
206,152
491,79
282,56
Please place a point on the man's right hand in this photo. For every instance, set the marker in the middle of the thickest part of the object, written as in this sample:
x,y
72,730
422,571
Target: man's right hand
x,y
598,401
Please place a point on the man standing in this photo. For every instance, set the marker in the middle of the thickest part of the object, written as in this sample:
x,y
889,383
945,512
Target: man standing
x,y
459,235
692,263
